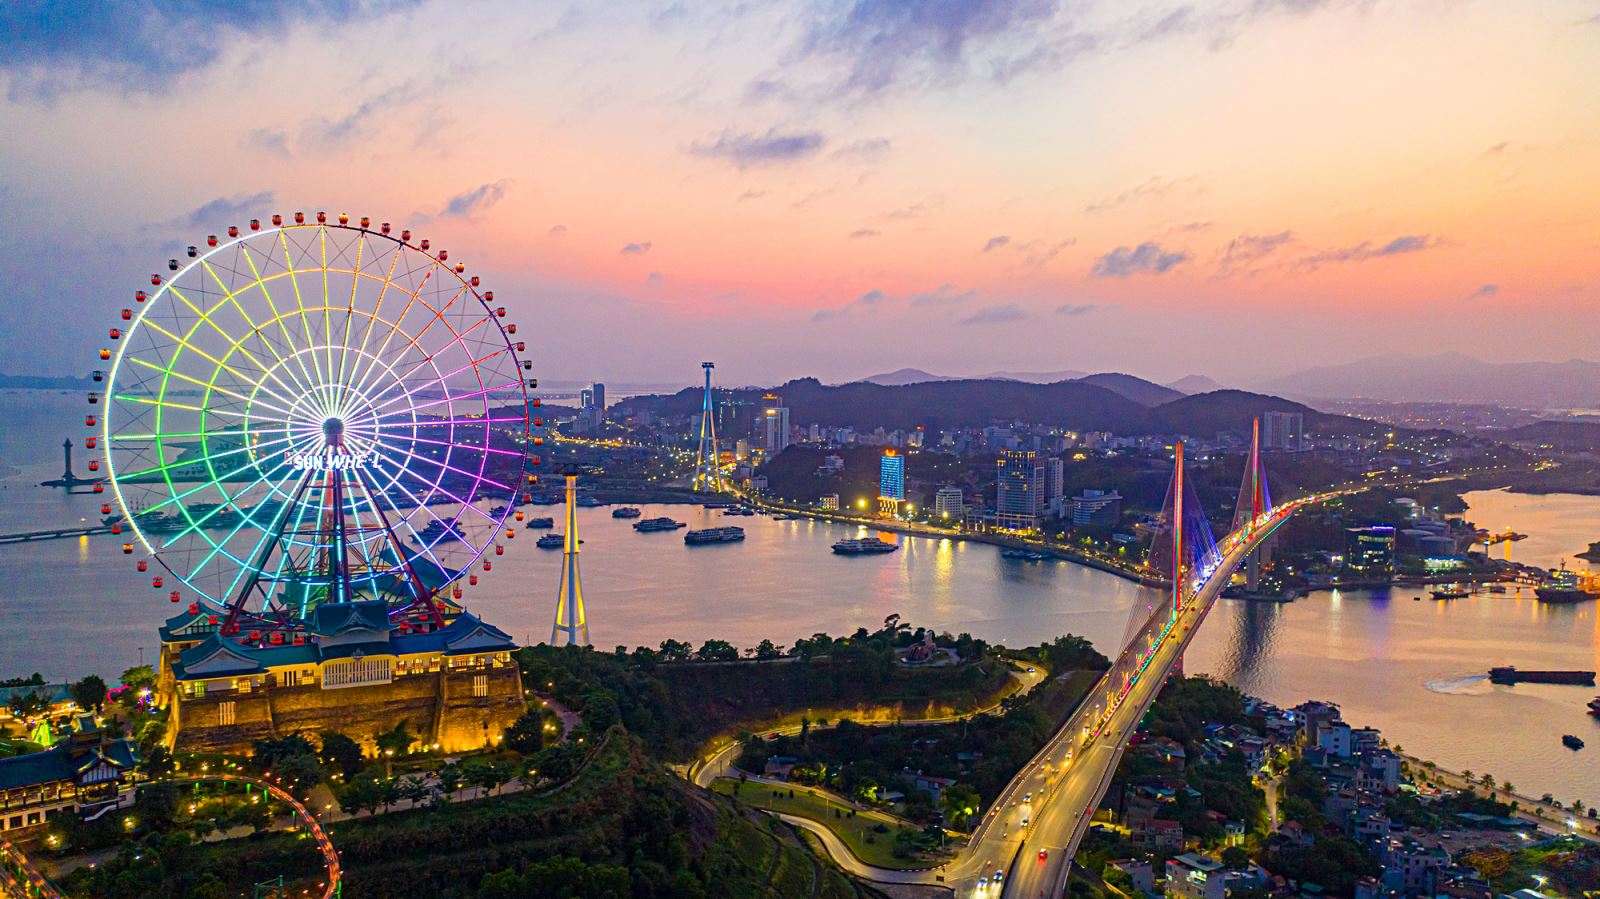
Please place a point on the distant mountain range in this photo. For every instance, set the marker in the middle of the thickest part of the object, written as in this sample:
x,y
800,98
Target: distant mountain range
x,y
1451,378
43,382
1078,405
904,376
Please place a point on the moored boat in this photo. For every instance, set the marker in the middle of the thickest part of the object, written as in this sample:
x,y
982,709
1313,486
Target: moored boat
x,y
864,546
626,512
714,535
657,524
1571,742
551,541
539,524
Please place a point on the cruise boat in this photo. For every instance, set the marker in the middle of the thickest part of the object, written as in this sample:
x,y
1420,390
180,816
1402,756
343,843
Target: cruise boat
x,y
864,546
739,510
589,502
539,524
714,535
657,524
552,541
1023,554
1563,586
1594,706
438,530
1571,742
544,499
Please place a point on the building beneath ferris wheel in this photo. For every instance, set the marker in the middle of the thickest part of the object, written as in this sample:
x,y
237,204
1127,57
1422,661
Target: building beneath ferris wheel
x,y
353,671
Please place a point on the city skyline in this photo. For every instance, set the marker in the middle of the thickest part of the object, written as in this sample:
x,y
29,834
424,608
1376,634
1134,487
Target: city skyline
x,y
833,190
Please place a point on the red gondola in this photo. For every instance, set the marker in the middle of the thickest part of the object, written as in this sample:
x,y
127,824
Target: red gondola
x,y
384,227
533,460
104,355
277,220
472,580
499,550
155,582
487,565
99,487
142,565
299,218
155,279
94,464
444,255
255,224
500,311
511,328
536,402
456,592
460,267
176,598
519,517
127,315
116,333
233,230
127,549
527,497
344,218
538,441
474,281
522,347
538,422
211,240
366,222
88,421
89,442
105,508
322,218
405,235
424,244
117,529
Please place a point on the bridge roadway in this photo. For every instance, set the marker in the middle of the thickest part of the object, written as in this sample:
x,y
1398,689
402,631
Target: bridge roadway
x,y
1048,805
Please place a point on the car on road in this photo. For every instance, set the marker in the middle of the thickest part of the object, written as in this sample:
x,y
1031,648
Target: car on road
x,y
1027,797
1044,854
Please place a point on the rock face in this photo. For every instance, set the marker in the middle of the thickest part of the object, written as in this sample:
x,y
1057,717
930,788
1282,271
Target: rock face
x,y
459,710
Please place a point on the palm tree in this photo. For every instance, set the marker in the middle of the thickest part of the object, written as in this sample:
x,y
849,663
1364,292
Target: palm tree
x,y
1488,781
1577,805
1508,787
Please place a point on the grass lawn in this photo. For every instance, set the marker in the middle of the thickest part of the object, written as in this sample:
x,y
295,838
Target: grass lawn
x,y
857,833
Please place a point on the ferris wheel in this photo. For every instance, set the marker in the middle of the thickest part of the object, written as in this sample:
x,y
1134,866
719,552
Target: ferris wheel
x,y
315,412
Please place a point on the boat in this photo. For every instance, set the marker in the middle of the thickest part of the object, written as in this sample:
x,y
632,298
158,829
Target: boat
x,y
784,516
1594,706
1497,588
1508,674
539,524
1571,742
1563,586
864,546
1024,554
626,512
552,541
738,511
543,499
1450,592
714,535
650,525
438,530
717,504
589,502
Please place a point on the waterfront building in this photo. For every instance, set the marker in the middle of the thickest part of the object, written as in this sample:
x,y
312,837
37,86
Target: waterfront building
x,y
1096,508
947,502
891,482
1054,485
80,773
353,671
1019,490
741,449
1369,549
1284,431
775,417
828,502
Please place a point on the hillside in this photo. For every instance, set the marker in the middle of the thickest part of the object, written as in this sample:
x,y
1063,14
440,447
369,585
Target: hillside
x,y
1192,384
1145,393
1452,377
1571,436
1075,405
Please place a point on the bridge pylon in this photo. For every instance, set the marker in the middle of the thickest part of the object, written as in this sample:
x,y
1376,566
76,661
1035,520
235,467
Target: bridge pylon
x,y
570,618
1255,502
708,462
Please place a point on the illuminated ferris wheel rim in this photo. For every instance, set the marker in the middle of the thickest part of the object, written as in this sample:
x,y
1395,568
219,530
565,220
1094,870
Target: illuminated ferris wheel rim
x,y
362,412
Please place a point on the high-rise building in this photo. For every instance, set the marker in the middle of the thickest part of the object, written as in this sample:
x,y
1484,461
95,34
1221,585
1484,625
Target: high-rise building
x,y
1096,508
1055,475
828,502
891,482
947,502
597,399
775,416
1284,431
1019,490
1369,549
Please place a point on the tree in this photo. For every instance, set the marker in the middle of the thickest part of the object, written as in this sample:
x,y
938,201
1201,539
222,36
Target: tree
x,y
960,802
299,773
414,788
29,705
717,651
395,742
1235,857
450,778
365,790
89,693
156,762
139,677
526,734
766,651
675,651
340,753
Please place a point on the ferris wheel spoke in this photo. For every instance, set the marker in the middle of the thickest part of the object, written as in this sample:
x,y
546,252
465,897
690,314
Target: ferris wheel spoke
x,y
299,301
231,296
276,315
218,362
355,282
394,327
162,469
466,396
377,308
477,478
490,450
416,339
431,359
236,344
422,545
269,533
199,383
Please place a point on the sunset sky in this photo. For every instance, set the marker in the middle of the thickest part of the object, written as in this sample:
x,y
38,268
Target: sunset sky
x,y
1241,188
